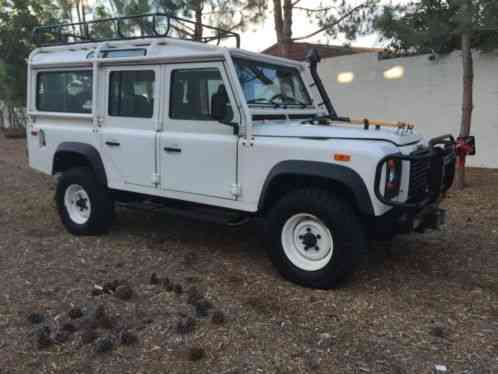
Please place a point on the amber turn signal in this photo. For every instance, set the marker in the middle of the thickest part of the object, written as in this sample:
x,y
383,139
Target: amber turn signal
x,y
342,157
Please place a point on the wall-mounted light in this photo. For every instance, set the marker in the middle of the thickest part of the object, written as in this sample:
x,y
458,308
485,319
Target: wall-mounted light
x,y
396,72
345,78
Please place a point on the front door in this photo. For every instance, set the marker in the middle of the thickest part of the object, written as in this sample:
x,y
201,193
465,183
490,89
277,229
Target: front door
x,y
130,123
198,153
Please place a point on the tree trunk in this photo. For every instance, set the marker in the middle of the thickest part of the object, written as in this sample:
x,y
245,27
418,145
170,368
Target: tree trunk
x,y
279,20
198,31
467,103
283,24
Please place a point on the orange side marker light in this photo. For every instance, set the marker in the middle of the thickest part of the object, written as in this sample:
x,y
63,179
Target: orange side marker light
x,y
342,157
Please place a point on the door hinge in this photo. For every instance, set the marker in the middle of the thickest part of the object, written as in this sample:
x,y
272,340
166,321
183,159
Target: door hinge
x,y
236,190
100,120
155,179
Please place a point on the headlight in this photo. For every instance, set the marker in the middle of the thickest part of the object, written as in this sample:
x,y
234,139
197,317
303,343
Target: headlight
x,y
393,178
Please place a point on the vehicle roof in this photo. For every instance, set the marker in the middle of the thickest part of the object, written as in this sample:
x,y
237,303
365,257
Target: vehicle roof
x,y
158,50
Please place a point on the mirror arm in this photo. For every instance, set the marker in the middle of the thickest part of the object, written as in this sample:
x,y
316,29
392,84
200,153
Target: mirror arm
x,y
235,126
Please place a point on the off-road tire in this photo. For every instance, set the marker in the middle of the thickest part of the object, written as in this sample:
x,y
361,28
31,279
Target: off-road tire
x,y
339,217
102,212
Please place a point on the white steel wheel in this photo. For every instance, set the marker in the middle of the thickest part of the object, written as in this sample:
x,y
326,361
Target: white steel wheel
x,y
77,204
307,242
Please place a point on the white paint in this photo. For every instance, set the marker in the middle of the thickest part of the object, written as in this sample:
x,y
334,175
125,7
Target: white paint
x,y
429,95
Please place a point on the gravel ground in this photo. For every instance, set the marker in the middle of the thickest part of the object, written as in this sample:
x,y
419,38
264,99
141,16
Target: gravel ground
x,y
422,300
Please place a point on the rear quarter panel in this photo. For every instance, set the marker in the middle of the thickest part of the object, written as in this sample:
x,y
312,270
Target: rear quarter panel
x,y
56,131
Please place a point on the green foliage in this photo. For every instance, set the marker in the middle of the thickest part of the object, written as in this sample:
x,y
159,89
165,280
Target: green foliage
x,y
342,18
17,19
437,25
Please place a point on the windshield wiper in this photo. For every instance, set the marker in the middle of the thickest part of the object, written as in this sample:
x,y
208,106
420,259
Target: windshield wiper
x,y
293,101
259,100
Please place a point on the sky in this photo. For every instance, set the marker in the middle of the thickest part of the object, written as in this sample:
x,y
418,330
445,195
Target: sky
x,y
263,36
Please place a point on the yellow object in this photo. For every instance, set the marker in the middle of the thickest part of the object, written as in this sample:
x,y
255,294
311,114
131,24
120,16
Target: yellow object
x,y
398,125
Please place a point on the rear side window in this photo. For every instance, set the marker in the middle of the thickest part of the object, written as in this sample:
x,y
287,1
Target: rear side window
x,y
131,93
64,91
192,92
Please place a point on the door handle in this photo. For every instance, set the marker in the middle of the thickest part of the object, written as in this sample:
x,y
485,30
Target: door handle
x,y
113,144
172,150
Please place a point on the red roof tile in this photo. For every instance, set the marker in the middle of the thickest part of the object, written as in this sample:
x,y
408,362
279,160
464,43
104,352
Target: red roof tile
x,y
297,51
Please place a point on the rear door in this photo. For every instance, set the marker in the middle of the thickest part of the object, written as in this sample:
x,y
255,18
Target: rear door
x,y
198,154
129,128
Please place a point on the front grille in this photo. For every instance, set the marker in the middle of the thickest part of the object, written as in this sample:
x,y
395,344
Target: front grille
x,y
419,179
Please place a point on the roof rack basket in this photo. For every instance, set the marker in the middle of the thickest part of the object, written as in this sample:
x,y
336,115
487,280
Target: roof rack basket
x,y
157,25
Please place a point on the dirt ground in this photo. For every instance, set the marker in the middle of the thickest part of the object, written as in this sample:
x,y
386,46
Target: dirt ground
x,y
432,299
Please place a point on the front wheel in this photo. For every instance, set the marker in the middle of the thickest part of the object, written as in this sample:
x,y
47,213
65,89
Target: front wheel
x,y
315,238
84,205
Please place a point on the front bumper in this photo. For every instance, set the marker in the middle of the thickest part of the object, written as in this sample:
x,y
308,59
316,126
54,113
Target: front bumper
x,y
432,172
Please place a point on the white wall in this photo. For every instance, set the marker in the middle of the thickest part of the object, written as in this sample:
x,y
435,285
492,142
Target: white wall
x,y
429,95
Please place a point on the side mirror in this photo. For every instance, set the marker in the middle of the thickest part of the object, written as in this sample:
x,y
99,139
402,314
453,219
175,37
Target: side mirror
x,y
218,108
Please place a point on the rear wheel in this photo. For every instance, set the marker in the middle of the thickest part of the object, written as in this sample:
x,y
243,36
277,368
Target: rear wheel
x,y
84,205
315,238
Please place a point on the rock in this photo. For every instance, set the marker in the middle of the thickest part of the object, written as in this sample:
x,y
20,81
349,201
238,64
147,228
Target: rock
x,y
104,344
185,326
154,279
43,338
75,313
124,292
36,318
218,318
313,361
88,336
128,338
196,354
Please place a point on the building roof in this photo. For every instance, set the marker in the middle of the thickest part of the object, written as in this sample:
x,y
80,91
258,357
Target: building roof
x,y
297,51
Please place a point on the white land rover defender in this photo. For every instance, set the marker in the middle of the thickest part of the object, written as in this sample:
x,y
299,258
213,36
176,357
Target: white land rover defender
x,y
144,116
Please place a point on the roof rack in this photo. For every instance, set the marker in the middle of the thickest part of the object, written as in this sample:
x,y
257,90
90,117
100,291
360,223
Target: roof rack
x,y
156,25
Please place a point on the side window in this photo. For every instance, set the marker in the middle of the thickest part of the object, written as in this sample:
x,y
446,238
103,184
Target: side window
x,y
192,94
64,91
131,93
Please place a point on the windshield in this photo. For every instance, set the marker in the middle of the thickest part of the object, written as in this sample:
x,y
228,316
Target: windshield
x,y
271,85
